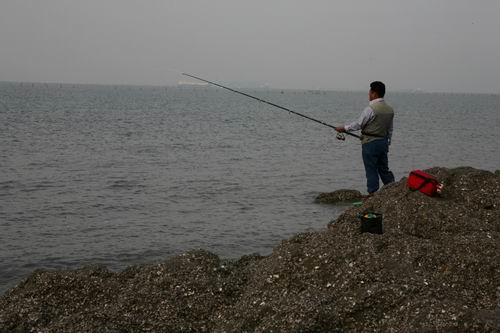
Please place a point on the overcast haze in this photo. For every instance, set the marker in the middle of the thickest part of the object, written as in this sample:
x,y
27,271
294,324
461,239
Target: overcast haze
x,y
440,45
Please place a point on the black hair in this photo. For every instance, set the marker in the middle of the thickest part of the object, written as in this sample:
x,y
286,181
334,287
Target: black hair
x,y
378,87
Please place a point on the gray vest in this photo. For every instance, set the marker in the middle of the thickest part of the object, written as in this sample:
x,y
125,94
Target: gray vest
x,y
378,127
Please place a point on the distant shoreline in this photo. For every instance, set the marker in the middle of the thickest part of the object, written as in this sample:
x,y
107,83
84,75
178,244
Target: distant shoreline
x,y
205,86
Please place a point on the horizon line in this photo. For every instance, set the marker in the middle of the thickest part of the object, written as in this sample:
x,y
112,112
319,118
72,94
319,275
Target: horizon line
x,y
402,90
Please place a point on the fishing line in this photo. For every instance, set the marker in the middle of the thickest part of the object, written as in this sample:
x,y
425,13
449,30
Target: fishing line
x,y
340,136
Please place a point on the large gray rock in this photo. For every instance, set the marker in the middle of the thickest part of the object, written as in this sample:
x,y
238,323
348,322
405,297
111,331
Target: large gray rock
x,y
339,196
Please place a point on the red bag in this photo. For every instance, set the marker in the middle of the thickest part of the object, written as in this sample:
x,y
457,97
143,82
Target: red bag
x,y
425,183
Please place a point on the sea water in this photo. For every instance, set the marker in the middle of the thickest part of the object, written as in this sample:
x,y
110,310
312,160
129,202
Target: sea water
x,y
121,175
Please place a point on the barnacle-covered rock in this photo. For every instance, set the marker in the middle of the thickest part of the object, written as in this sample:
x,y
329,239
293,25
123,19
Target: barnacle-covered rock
x,y
435,269
339,196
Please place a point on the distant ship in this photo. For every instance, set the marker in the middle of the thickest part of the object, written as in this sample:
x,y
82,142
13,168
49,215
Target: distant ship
x,y
191,83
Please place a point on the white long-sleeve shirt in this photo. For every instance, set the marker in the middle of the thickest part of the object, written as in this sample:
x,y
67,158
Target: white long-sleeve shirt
x,y
367,116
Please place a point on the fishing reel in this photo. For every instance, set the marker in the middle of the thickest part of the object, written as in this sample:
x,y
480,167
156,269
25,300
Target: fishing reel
x,y
340,136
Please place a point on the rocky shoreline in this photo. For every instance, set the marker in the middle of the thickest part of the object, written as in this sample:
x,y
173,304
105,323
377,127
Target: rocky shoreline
x,y
436,268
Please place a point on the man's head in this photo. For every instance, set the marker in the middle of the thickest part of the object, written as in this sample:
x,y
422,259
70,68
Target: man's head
x,y
377,90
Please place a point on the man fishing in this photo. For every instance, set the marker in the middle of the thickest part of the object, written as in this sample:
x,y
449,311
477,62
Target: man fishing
x,y
376,124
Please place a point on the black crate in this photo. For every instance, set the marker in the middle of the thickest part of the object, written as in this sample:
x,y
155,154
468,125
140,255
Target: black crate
x,y
371,222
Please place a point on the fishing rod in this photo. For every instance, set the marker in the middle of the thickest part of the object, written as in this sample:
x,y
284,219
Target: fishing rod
x,y
339,135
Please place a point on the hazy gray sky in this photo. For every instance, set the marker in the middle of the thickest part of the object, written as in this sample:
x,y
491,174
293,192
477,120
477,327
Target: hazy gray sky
x,y
435,45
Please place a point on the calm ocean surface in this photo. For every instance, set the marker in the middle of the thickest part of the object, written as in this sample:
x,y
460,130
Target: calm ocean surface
x,y
120,175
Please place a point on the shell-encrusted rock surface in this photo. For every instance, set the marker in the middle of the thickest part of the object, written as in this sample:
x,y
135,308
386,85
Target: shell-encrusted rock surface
x,y
436,268
339,196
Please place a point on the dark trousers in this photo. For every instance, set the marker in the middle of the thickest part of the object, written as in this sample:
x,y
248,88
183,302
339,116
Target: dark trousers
x,y
376,164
